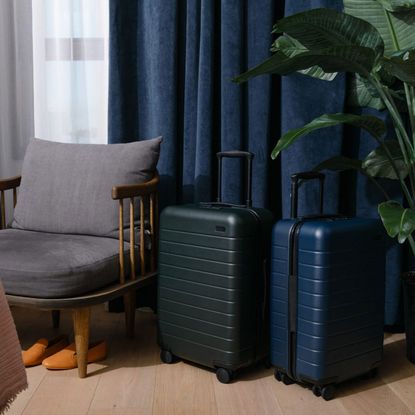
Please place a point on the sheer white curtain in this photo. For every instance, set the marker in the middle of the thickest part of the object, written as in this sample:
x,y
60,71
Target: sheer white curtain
x,y
16,84
70,70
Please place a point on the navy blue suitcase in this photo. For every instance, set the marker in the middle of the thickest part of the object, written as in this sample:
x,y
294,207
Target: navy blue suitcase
x,y
327,296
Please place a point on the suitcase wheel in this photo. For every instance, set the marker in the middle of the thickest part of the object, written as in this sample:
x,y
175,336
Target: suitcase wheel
x,y
283,377
278,375
286,380
224,375
316,390
167,357
327,392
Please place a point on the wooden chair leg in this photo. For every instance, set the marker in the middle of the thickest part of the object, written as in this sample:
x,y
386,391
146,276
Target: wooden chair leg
x,y
129,307
56,318
81,317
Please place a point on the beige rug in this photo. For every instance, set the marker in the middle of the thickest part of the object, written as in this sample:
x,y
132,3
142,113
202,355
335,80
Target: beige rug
x,y
12,372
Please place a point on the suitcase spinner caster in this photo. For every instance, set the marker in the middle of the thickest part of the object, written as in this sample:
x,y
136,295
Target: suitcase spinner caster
x,y
224,375
327,392
167,357
316,390
283,377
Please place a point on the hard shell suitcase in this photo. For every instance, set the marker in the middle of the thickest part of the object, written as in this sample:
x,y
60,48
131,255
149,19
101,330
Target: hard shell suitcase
x,y
327,296
212,285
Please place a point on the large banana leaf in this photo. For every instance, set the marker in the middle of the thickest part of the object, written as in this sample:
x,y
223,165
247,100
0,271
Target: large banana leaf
x,y
336,59
397,5
390,25
397,220
339,163
401,69
324,28
292,47
377,164
375,126
362,94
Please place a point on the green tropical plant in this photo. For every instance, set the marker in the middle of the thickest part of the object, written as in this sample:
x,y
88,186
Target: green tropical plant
x,y
374,40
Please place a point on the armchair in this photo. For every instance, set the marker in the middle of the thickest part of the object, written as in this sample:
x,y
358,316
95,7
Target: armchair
x,y
60,259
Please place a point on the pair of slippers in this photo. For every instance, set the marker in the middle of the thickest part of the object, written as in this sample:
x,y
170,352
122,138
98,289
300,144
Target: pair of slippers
x,y
58,354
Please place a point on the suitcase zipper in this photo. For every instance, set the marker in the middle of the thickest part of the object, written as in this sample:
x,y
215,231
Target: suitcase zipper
x,y
292,299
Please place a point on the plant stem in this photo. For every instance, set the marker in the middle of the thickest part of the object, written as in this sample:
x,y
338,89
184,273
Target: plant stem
x,y
378,185
392,30
411,244
409,159
410,102
402,137
395,169
407,92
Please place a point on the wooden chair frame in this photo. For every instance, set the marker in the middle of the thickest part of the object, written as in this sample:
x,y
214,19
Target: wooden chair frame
x,y
81,305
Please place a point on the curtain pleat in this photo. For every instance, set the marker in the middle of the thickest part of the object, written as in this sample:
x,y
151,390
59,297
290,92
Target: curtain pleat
x,y
16,87
304,99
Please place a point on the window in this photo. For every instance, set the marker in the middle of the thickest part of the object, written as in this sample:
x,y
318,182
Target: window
x,y
70,70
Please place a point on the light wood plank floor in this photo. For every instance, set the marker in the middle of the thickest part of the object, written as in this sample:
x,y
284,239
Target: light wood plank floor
x,y
132,380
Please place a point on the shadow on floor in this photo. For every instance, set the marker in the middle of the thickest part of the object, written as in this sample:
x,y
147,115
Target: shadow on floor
x,y
395,367
122,352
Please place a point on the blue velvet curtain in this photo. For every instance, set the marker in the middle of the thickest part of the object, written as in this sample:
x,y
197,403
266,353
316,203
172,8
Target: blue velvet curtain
x,y
171,65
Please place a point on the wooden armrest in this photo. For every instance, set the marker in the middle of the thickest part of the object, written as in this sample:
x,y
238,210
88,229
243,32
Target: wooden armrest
x,y
10,183
135,190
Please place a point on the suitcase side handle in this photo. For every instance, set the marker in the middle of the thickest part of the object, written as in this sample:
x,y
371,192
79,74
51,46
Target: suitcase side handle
x,y
296,180
248,156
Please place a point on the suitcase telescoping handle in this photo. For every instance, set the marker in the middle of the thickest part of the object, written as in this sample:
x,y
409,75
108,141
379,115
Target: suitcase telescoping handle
x,y
236,154
296,179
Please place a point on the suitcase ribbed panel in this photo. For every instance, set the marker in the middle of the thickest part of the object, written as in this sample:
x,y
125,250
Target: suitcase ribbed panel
x,y
340,298
209,268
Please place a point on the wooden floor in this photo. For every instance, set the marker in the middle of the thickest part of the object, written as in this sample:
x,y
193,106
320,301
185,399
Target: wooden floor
x,y
132,380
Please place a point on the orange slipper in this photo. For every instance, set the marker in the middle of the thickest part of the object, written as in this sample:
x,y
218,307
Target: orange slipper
x,y
66,358
42,349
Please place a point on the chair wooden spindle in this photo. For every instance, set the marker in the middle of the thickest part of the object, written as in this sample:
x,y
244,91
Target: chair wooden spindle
x,y
121,239
156,227
3,211
142,241
14,197
153,232
132,240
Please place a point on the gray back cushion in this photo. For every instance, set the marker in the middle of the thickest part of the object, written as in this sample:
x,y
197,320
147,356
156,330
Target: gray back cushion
x,y
66,188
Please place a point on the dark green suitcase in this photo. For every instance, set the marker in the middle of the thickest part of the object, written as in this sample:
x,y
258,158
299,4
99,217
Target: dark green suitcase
x,y
212,286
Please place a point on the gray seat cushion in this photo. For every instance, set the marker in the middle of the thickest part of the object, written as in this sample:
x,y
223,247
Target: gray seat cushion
x,y
66,188
47,265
